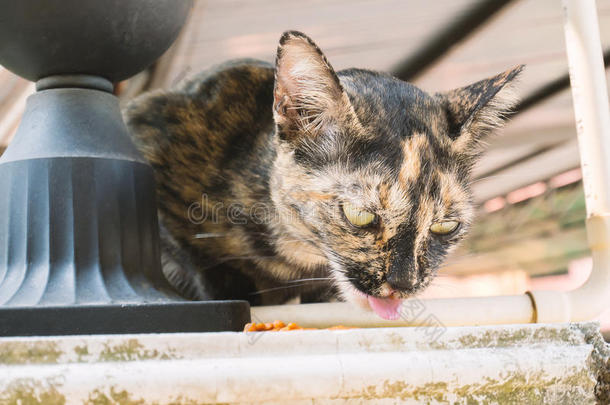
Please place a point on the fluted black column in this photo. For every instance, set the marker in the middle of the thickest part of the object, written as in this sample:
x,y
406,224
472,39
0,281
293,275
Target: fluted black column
x,y
79,242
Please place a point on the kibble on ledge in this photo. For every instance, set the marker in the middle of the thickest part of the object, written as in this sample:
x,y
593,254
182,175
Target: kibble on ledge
x,y
279,326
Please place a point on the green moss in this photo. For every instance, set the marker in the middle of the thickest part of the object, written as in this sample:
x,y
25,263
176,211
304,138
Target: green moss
x,y
399,389
517,388
123,397
127,351
81,352
436,391
29,392
396,340
511,337
115,397
531,388
29,352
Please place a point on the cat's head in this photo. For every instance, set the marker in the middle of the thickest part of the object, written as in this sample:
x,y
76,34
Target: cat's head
x,y
373,173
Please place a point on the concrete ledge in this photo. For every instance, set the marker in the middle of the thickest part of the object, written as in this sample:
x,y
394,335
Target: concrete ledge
x,y
559,363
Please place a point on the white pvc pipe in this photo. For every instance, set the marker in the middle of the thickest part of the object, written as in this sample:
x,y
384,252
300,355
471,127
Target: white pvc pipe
x,y
434,313
588,80
592,113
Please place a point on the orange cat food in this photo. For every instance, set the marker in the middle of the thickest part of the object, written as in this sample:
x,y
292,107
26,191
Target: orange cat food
x,y
279,326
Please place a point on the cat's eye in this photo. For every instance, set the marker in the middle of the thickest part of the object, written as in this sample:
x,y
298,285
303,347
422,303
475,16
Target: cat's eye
x,y
444,227
357,216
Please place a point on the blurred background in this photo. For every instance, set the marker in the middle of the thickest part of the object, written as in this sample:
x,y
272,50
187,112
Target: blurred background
x,y
530,232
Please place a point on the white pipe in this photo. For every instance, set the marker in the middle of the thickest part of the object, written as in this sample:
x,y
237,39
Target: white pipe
x,y
435,313
588,80
592,113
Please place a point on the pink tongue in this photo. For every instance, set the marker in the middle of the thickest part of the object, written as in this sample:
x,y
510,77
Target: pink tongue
x,y
387,308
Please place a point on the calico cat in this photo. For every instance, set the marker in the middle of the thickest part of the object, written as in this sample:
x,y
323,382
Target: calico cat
x,y
274,182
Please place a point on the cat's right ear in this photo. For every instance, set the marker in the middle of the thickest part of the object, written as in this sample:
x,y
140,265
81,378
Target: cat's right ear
x,y
308,97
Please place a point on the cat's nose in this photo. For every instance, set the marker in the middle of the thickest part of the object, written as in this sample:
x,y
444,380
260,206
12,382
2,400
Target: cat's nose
x,y
401,277
403,280
386,291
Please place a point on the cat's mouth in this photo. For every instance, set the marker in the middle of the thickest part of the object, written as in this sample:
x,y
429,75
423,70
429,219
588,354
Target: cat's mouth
x,y
387,307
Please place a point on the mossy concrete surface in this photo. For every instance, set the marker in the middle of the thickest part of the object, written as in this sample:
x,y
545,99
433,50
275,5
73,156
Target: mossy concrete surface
x,y
524,364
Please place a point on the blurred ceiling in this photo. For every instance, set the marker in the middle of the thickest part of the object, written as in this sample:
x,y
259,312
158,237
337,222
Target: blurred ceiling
x,y
378,34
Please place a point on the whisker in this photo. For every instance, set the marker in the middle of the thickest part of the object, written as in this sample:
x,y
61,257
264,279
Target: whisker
x,y
220,235
315,279
267,234
251,257
209,235
299,283
276,288
224,259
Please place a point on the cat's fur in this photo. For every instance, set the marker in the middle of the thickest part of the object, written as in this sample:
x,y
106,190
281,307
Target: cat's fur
x,y
252,164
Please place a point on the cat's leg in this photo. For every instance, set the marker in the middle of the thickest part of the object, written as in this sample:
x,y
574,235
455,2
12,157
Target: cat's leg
x,y
180,269
196,277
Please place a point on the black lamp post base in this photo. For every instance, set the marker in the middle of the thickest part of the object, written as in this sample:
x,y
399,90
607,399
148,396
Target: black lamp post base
x,y
211,316
78,231
79,238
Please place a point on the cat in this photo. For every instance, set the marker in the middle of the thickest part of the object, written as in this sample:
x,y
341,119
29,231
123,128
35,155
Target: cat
x,y
296,180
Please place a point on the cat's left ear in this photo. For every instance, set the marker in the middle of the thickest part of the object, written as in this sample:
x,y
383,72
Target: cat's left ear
x,y
475,110
308,96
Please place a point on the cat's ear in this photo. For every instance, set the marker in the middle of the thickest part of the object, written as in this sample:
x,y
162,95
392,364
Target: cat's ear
x,y
308,96
475,110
